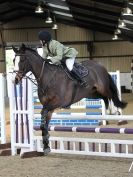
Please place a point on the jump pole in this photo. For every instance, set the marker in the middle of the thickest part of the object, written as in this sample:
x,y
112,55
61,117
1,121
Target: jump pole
x,y
88,129
79,116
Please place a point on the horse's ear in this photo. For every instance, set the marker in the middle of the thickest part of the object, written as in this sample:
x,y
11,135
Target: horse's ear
x,y
15,49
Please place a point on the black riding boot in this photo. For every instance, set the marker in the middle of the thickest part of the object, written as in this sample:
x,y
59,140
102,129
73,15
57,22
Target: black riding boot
x,y
77,76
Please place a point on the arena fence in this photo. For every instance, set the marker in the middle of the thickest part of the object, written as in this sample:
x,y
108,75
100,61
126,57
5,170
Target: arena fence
x,y
2,109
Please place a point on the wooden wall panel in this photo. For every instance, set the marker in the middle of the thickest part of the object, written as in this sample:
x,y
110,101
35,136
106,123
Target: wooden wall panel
x,y
2,58
123,64
113,48
71,33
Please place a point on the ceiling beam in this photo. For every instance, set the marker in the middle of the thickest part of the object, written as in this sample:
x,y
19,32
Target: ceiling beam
x,y
127,31
26,2
119,3
22,4
70,21
92,21
57,2
78,11
130,5
94,8
112,28
127,17
129,24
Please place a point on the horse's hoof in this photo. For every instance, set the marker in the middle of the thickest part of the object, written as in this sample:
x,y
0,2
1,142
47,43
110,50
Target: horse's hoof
x,y
46,151
122,122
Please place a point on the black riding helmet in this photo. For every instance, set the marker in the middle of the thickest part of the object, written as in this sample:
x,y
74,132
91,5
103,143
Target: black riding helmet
x,y
44,36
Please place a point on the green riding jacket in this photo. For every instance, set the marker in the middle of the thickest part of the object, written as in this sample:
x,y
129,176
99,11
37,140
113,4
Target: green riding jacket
x,y
58,51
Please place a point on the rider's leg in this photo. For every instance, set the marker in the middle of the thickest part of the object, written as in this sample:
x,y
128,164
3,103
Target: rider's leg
x,y
70,63
77,75
74,71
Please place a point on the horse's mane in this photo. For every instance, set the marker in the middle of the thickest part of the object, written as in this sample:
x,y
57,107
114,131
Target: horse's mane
x,y
33,50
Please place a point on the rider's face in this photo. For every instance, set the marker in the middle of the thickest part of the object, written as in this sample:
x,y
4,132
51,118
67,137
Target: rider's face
x,y
42,42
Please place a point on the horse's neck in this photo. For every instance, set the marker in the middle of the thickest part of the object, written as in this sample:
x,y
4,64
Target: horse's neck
x,y
46,73
36,65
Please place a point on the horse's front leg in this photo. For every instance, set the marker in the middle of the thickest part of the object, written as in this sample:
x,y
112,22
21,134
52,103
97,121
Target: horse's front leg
x,y
44,127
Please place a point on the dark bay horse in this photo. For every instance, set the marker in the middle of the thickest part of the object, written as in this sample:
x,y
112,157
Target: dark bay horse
x,y
57,90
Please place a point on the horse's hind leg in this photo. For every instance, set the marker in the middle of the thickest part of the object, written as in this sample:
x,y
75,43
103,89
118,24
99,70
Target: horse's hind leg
x,y
105,94
44,127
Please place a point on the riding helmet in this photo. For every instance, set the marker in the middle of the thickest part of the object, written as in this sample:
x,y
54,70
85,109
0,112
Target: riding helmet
x,y
44,36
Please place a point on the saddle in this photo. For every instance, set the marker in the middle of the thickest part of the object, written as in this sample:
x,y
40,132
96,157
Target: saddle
x,y
82,70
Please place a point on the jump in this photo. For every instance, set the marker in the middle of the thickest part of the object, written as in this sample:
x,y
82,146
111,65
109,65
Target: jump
x,y
57,90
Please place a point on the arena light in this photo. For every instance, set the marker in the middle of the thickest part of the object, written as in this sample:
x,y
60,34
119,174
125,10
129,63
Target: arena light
x,y
48,19
118,31
115,37
39,8
55,26
126,10
121,24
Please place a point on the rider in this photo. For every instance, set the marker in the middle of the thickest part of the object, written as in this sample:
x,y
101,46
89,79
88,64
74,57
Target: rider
x,y
54,51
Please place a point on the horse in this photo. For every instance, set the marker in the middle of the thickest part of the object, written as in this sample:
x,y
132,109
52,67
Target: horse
x,y
57,90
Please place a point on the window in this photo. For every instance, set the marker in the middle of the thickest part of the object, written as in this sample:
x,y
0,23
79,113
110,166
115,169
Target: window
x,y
10,56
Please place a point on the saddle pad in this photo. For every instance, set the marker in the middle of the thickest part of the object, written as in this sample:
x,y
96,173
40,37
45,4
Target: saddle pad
x,y
82,69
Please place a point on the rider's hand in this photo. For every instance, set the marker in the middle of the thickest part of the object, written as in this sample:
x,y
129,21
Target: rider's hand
x,y
48,61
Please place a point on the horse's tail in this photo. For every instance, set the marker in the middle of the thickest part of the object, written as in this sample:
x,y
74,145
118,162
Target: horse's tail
x,y
115,97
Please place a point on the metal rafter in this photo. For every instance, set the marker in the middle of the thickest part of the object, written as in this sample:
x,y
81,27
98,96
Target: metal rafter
x,y
98,15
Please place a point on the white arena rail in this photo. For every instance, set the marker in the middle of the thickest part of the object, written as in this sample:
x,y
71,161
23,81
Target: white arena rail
x,y
2,109
88,146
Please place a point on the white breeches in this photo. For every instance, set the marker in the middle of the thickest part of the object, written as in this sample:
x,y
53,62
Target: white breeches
x,y
70,63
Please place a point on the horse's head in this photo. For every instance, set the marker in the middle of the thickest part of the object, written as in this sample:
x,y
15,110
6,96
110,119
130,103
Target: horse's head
x,y
21,63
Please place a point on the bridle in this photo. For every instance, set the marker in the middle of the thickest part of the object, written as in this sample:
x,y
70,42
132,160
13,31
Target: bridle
x,y
20,74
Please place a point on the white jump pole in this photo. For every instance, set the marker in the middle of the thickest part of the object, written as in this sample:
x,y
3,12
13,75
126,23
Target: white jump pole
x,y
79,116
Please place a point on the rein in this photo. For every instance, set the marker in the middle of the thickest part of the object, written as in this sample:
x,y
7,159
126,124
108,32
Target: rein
x,y
39,79
41,71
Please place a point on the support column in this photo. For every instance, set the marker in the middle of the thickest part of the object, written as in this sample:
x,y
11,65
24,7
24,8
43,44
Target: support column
x,y
2,51
2,60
